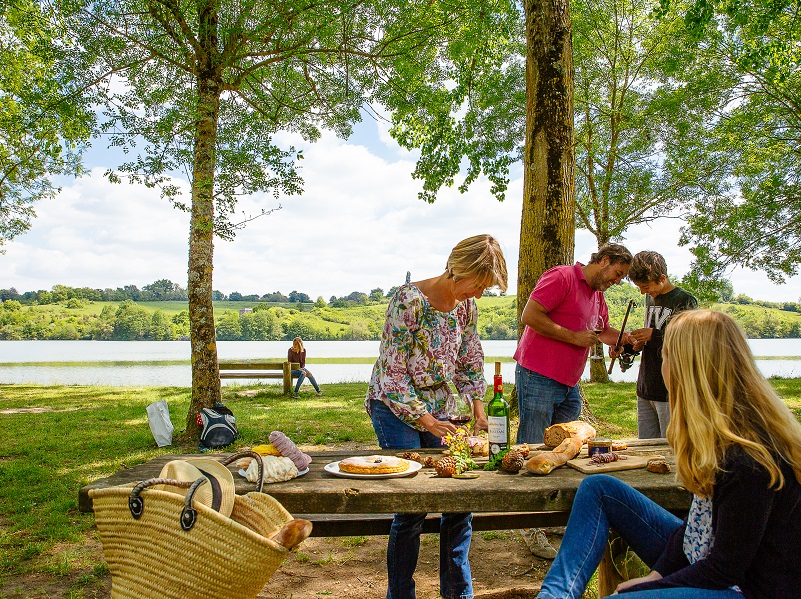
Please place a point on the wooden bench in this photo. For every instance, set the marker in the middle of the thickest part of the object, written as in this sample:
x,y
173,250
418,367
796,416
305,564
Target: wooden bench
x,y
260,370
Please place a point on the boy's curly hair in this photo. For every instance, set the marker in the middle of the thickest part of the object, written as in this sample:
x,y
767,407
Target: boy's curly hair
x,y
647,267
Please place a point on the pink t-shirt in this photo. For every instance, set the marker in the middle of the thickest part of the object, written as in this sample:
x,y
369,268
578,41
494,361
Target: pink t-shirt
x,y
569,301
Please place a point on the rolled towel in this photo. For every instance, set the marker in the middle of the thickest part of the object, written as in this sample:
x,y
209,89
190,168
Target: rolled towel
x,y
289,450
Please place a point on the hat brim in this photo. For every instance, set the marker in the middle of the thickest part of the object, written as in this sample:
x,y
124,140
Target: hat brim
x,y
218,493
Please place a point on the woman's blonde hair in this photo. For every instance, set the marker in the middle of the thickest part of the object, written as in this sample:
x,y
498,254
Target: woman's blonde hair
x,y
480,258
718,399
297,344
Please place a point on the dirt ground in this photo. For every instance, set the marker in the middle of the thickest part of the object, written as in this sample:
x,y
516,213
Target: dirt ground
x,y
355,567
349,567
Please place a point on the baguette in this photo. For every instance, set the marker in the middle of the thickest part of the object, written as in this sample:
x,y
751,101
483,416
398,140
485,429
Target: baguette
x,y
554,435
547,461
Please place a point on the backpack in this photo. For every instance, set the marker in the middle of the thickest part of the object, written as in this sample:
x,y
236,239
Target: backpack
x,y
219,430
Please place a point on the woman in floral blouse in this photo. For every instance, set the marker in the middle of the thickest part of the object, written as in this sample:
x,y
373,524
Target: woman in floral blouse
x,y
430,341
738,450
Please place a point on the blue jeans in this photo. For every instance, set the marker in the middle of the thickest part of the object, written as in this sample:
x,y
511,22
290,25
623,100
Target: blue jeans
x,y
302,374
455,530
542,402
602,503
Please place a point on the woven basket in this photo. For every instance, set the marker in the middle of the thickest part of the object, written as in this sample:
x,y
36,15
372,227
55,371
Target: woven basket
x,y
218,558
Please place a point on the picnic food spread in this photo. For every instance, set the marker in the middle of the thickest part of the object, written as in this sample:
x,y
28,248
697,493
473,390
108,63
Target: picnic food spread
x,y
374,464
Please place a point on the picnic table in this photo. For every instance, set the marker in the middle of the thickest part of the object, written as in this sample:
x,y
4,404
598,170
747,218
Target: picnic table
x,y
347,507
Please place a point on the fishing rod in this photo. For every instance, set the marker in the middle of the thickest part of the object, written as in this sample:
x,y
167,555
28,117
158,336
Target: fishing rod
x,y
622,330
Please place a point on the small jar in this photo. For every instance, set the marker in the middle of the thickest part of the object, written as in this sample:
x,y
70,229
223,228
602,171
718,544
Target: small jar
x,y
598,445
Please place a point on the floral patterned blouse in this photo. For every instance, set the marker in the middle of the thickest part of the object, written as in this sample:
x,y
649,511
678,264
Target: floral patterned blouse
x,y
422,351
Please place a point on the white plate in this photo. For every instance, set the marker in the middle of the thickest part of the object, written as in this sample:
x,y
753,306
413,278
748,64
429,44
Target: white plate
x,y
333,468
301,473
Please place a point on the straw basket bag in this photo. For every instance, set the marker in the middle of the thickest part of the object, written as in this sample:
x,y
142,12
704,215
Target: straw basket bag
x,y
160,544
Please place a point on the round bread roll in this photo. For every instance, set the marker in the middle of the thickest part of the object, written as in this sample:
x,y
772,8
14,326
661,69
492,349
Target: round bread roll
x,y
658,465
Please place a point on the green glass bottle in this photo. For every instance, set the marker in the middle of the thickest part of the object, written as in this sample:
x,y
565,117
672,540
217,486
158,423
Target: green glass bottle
x,y
498,416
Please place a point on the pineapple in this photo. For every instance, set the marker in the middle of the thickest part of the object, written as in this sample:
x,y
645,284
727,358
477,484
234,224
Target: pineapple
x,y
512,461
447,466
411,455
429,462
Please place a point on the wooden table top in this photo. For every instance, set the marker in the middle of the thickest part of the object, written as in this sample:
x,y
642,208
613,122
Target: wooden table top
x,y
320,492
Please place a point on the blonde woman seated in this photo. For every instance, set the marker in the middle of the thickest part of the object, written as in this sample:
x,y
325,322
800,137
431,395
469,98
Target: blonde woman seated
x,y
738,451
297,354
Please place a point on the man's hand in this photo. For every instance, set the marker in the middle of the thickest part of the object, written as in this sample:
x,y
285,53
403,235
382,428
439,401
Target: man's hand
x,y
641,336
584,338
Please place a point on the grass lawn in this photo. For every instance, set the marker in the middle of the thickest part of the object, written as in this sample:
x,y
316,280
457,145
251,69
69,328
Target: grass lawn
x,y
59,438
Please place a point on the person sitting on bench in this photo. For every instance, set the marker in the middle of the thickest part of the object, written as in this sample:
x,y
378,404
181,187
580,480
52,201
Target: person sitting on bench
x,y
297,354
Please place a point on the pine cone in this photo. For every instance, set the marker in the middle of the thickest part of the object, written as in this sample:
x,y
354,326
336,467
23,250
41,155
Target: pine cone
x,y
429,462
411,455
446,466
512,461
523,449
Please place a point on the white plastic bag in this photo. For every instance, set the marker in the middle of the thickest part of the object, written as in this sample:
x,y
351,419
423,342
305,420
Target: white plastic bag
x,y
158,416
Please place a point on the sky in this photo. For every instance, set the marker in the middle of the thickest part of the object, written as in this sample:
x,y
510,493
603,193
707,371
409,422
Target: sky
x,y
358,226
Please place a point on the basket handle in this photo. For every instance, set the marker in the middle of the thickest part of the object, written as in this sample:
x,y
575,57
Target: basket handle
x,y
248,454
136,502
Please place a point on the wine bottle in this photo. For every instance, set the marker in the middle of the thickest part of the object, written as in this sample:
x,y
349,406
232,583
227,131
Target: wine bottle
x,y
498,416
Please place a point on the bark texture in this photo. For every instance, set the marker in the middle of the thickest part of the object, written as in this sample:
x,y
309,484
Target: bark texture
x,y
547,227
205,368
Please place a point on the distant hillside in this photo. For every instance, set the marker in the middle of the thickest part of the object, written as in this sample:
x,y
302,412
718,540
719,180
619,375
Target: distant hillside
x,y
268,321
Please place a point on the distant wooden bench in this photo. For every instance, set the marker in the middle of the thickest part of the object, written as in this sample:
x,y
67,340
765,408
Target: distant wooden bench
x,y
260,370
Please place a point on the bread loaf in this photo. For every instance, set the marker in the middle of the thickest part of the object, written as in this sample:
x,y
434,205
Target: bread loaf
x,y
547,461
554,435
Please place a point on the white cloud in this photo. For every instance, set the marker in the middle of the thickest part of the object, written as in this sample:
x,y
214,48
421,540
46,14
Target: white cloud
x,y
358,225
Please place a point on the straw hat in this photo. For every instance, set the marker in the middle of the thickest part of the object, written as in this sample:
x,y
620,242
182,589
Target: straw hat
x,y
218,493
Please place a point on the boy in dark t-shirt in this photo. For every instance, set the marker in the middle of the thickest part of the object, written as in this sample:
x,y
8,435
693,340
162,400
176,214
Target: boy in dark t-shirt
x,y
663,300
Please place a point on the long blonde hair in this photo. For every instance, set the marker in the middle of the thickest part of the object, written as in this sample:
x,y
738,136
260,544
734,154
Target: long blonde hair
x,y
297,345
718,398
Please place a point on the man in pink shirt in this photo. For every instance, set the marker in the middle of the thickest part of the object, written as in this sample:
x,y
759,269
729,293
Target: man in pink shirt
x,y
555,344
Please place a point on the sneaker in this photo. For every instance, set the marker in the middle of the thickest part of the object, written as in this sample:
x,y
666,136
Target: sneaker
x,y
295,394
319,392
537,543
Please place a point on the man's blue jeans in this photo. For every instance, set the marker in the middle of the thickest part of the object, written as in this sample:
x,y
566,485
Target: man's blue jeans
x,y
455,530
603,503
542,402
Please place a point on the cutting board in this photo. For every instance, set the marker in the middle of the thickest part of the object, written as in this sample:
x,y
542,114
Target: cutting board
x,y
632,462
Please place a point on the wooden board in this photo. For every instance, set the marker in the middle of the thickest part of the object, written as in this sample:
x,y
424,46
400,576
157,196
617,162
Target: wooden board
x,y
582,464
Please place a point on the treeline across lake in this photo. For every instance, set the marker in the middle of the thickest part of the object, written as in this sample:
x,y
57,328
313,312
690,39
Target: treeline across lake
x,y
264,321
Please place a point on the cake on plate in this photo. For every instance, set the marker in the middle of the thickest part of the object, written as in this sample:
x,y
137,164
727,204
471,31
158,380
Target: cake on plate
x,y
374,464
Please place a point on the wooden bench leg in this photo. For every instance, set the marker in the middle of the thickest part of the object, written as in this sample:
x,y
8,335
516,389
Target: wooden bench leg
x,y
287,378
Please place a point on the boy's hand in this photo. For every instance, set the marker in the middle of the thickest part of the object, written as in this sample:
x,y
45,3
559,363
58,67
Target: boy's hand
x,y
642,335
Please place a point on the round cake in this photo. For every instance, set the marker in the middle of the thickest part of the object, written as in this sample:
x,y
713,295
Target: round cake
x,y
374,464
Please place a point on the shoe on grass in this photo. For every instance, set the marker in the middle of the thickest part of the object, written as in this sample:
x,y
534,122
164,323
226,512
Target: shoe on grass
x,y
537,543
295,394
319,392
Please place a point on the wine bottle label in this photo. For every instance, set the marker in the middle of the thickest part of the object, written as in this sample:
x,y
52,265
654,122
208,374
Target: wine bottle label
x,y
497,432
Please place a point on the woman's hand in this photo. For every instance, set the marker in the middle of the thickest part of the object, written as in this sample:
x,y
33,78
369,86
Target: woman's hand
x,y
481,423
653,575
438,428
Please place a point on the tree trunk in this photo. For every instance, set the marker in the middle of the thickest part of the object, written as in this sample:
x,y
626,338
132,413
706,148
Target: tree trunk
x,y
547,231
205,368
598,373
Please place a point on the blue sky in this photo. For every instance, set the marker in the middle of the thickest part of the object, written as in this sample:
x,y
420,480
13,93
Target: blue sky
x,y
357,226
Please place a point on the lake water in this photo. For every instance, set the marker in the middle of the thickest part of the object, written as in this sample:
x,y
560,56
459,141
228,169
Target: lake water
x,y
122,363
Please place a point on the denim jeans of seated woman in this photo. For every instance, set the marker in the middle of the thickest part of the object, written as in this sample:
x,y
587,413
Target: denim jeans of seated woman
x,y
455,530
302,374
602,503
